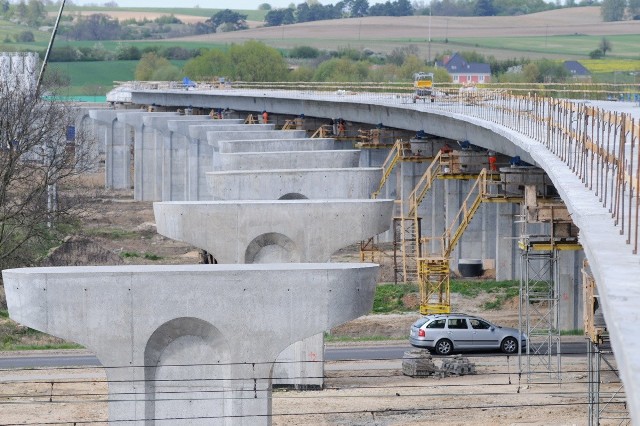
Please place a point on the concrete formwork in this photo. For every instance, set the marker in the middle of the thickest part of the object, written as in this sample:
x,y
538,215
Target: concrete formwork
x,y
189,344
352,183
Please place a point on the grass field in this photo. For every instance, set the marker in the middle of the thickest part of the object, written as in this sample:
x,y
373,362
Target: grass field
x,y
92,78
624,46
252,15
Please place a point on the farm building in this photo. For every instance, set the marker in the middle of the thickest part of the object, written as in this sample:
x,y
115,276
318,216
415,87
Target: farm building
x,y
577,70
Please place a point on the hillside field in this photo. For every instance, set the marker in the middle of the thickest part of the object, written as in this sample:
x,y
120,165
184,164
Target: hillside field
x,y
559,34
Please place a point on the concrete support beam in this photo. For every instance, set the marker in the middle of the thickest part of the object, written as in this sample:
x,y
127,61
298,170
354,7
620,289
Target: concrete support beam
x,y
207,335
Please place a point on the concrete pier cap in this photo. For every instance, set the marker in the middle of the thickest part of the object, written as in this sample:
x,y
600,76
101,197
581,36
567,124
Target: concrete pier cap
x,y
183,127
270,145
189,344
252,132
136,118
199,131
320,183
272,231
339,158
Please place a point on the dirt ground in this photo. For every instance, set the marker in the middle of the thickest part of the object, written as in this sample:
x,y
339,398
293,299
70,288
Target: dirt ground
x,y
356,393
372,392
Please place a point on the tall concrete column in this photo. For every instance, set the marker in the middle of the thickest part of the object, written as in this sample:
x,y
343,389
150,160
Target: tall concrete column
x,y
117,149
170,156
570,289
198,154
144,147
506,233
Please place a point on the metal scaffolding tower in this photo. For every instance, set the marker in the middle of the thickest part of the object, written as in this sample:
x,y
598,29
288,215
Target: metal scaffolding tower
x,y
538,314
539,282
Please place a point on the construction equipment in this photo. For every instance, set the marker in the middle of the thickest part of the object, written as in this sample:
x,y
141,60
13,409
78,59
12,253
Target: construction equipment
x,y
434,252
423,85
401,151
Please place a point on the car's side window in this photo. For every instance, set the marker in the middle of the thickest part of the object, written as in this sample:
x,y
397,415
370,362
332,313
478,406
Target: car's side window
x,y
458,323
436,324
479,324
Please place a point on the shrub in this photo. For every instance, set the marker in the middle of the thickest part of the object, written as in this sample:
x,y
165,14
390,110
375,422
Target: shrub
x,y
25,37
596,54
304,52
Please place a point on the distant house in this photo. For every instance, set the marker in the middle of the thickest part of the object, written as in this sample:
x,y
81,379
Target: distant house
x,y
577,70
464,72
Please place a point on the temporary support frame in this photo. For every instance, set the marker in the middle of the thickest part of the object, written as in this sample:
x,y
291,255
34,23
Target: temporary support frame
x,y
538,314
606,405
607,400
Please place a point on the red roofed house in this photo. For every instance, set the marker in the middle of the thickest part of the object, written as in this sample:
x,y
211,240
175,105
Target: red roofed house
x,y
463,72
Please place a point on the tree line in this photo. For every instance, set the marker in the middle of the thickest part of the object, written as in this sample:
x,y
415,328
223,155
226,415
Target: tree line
x,y
255,61
314,11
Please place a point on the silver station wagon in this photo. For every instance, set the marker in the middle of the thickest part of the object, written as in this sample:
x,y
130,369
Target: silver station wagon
x,y
445,333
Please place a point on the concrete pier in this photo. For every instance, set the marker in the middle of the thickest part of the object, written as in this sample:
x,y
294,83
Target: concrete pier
x,y
189,345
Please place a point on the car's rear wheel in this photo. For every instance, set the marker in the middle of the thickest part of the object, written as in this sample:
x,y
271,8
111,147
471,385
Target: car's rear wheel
x,y
444,347
509,345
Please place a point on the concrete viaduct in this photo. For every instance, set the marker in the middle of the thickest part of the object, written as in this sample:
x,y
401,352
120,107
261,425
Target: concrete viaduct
x,y
255,195
530,128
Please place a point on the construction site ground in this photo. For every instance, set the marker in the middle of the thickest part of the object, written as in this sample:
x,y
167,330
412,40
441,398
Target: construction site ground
x,y
367,392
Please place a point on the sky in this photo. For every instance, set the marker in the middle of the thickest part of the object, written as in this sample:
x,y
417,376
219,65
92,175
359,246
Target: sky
x,y
236,4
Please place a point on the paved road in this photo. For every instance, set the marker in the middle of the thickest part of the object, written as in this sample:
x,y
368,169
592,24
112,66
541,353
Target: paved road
x,y
575,347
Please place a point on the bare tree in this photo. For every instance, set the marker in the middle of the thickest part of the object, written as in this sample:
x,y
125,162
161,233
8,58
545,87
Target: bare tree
x,y
605,46
42,155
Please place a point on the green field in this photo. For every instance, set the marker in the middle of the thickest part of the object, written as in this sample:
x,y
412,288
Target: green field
x,y
624,46
252,15
93,78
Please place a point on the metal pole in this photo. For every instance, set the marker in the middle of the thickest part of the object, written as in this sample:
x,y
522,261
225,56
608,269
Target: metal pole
x,y
430,7
46,55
